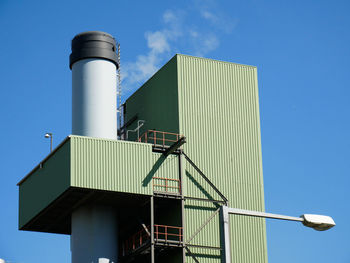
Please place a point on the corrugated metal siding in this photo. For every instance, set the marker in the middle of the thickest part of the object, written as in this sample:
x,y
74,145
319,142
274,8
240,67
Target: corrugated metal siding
x,y
204,255
117,165
156,102
219,115
95,164
44,185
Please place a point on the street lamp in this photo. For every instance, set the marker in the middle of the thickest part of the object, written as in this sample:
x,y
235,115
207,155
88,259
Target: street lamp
x,y
49,135
317,222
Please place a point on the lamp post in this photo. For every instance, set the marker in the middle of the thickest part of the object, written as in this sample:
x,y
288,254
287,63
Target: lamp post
x,y
317,222
49,135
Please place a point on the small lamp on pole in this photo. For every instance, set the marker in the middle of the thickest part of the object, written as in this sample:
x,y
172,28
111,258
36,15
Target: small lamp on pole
x,y
49,135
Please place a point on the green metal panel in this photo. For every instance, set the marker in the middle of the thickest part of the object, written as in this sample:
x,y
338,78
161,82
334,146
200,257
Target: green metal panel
x,y
204,255
219,115
156,102
119,166
96,164
48,181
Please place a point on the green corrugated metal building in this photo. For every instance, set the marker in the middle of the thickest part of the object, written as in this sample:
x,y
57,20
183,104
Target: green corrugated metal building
x,y
215,105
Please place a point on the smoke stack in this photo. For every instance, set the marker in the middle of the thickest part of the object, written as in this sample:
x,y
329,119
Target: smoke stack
x,y
94,229
94,98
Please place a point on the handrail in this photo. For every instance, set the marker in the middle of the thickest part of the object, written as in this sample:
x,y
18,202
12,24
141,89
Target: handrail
x,y
168,235
166,184
159,137
135,241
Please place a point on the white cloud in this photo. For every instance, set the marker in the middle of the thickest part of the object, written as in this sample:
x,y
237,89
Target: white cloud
x,y
194,34
211,42
174,24
146,65
139,70
209,16
159,49
157,42
204,43
169,17
178,34
217,18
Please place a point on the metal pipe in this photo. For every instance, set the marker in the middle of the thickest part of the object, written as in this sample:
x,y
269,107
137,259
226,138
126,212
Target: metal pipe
x,y
181,172
236,211
225,225
49,135
51,143
225,234
136,129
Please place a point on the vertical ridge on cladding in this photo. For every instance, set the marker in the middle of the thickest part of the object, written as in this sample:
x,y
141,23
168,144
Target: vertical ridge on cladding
x,y
219,115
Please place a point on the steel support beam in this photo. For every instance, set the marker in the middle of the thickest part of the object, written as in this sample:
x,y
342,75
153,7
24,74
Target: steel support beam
x,y
145,228
176,145
204,200
205,178
182,206
225,234
152,229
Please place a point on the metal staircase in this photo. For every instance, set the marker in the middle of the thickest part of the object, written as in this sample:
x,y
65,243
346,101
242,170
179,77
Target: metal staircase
x,y
156,238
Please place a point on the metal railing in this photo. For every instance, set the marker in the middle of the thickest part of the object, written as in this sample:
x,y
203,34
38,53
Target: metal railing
x,y
162,233
166,185
135,241
168,233
159,137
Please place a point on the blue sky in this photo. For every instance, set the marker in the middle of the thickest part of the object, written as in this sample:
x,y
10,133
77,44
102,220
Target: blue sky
x,y
301,49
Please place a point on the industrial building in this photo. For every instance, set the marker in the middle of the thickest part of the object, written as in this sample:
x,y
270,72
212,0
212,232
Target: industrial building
x,y
189,142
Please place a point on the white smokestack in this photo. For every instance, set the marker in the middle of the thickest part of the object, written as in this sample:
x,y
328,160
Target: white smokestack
x,y
94,98
94,113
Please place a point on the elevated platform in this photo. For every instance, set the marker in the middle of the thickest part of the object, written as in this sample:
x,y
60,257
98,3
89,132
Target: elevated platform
x,y
83,169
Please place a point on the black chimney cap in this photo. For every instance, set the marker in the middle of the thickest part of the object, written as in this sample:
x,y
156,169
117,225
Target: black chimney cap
x,y
93,44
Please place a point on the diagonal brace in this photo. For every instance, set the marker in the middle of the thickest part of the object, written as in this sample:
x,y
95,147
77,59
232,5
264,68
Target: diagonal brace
x,y
145,228
205,178
176,145
203,225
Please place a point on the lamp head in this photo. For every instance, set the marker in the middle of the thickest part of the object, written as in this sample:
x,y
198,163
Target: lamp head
x,y
318,222
48,135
